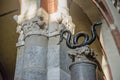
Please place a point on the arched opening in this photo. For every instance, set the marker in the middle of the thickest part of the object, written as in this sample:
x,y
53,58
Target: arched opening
x,y
86,13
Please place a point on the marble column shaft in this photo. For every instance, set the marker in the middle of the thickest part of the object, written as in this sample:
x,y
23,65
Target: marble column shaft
x,y
56,62
35,58
83,68
19,63
35,51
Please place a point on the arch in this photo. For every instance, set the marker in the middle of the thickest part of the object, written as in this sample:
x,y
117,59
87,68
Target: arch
x,y
102,13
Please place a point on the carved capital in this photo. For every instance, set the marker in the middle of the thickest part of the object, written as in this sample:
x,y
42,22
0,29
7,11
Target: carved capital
x,y
34,26
67,20
82,53
55,29
19,30
62,16
31,25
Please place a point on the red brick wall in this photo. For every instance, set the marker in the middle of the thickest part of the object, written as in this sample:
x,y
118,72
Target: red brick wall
x,y
50,5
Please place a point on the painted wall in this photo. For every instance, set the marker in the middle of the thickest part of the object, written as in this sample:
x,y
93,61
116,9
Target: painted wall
x,y
8,36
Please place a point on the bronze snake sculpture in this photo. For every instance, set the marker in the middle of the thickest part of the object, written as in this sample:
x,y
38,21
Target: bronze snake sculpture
x,y
75,43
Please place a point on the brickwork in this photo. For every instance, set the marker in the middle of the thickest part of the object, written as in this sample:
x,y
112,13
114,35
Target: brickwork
x,y
50,5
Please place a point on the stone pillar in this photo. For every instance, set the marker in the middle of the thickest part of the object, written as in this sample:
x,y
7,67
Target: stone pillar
x,y
54,65
34,33
20,53
63,16
40,53
58,61
83,68
35,54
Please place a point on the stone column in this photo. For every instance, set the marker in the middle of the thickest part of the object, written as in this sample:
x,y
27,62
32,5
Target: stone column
x,y
83,66
58,61
55,71
35,36
35,54
20,53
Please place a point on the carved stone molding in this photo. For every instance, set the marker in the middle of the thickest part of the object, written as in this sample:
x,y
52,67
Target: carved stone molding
x,y
34,26
67,20
62,16
82,53
21,36
116,3
55,29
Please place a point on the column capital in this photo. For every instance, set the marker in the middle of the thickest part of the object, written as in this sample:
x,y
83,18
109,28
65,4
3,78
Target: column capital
x,y
21,36
35,26
55,29
62,16
82,53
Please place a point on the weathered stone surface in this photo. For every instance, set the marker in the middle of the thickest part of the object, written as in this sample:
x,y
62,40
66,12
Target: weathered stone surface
x,y
83,70
64,75
35,63
65,60
57,60
53,56
19,63
83,67
36,40
53,73
53,59
35,56
34,74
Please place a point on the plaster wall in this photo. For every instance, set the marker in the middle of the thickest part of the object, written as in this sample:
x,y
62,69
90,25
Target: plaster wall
x,y
115,13
8,36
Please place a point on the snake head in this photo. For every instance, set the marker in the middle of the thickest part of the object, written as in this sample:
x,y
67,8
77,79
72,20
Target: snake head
x,y
98,23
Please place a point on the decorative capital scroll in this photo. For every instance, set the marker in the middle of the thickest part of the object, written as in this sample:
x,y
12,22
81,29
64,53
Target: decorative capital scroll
x,y
82,53
35,25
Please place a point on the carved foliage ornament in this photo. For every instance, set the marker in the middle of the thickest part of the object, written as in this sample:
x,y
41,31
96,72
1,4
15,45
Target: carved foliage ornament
x,y
82,53
116,3
35,25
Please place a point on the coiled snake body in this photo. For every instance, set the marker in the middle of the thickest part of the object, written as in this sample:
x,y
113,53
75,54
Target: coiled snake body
x,y
75,43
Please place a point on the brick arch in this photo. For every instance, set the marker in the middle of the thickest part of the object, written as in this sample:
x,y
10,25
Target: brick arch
x,y
107,16
104,9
